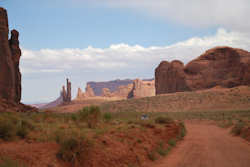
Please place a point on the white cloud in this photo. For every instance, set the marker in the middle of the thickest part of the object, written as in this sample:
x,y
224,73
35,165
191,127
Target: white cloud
x,y
231,14
124,57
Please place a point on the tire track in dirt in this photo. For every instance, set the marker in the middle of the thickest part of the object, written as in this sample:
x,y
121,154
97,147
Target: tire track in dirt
x,y
207,145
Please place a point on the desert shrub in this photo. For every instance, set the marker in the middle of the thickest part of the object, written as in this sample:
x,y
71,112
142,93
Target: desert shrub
x,y
71,148
163,120
238,127
90,114
107,116
152,156
23,128
161,150
74,117
7,129
172,142
59,135
6,162
22,131
183,131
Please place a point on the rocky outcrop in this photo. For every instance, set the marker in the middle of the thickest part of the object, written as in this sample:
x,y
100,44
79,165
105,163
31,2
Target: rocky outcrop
x,y
139,88
10,77
66,92
143,88
16,55
124,91
111,85
170,77
89,93
220,66
106,93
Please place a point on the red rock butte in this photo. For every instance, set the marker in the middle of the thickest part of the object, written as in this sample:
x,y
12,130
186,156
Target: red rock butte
x,y
10,76
220,66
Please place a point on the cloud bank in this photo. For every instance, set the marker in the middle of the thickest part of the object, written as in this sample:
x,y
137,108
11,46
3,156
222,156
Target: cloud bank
x,y
231,14
124,57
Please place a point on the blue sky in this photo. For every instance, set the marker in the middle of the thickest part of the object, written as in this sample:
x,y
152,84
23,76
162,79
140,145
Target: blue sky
x,y
46,24
103,40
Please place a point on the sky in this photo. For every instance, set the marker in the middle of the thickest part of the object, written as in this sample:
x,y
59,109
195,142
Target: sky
x,y
96,40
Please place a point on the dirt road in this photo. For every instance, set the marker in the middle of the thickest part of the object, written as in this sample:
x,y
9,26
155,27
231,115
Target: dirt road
x,y
207,145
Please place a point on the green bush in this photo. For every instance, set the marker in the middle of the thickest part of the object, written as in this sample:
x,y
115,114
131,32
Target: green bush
x,y
163,152
107,117
183,131
163,120
90,114
172,142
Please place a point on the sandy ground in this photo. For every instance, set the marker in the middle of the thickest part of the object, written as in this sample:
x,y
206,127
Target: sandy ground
x,y
207,145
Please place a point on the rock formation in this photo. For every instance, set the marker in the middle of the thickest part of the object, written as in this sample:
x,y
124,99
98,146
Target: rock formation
x,y
89,93
124,92
139,88
10,76
106,93
143,88
66,92
171,73
220,66
111,85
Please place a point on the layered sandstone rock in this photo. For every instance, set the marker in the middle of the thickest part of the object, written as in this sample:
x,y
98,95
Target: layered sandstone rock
x,y
143,88
111,85
137,89
10,76
106,93
220,66
124,91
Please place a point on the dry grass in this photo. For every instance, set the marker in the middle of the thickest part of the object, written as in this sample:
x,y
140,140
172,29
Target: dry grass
x,y
237,98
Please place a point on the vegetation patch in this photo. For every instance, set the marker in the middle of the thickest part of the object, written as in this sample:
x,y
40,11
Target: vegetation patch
x,y
7,162
163,120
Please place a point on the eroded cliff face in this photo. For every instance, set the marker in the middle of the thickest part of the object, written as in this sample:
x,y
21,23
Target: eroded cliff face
x,y
10,53
89,93
143,88
137,89
220,66
173,74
